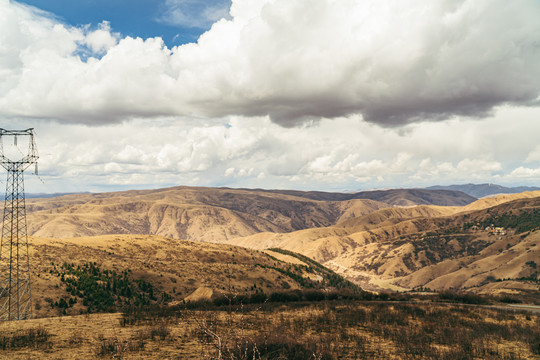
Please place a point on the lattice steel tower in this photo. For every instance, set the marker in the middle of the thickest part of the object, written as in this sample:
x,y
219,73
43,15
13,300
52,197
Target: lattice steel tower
x,y
15,294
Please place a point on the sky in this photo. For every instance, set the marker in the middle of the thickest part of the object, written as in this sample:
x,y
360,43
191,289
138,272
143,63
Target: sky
x,y
335,95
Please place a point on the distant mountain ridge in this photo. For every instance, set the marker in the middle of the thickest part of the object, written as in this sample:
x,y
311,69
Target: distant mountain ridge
x,y
483,190
49,195
394,197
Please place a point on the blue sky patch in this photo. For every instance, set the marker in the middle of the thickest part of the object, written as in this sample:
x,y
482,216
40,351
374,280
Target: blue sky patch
x,y
175,21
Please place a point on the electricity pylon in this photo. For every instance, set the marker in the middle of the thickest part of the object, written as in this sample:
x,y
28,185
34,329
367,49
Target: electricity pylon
x,y
15,294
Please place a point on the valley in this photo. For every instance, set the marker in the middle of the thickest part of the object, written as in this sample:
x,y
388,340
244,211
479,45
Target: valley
x,y
378,245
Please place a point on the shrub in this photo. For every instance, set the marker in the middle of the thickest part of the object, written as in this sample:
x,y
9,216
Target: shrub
x,y
509,299
464,298
286,296
150,314
278,347
535,346
314,295
104,290
159,331
116,349
258,298
34,337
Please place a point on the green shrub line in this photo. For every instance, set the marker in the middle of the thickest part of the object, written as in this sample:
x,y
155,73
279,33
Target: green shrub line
x,y
307,295
317,295
533,278
464,298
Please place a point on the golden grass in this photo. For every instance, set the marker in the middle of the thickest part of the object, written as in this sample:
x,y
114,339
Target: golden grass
x,y
328,330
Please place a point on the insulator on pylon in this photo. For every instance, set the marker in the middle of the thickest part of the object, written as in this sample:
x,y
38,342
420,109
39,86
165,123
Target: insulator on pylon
x,y
36,170
15,140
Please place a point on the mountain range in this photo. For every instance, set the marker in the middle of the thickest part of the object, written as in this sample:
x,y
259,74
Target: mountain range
x,y
483,190
405,239
214,214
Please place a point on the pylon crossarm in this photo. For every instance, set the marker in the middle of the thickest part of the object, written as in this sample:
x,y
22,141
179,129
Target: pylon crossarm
x,y
18,165
21,164
16,132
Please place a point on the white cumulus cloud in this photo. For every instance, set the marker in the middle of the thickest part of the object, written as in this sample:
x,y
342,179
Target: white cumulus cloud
x,y
101,39
393,62
334,154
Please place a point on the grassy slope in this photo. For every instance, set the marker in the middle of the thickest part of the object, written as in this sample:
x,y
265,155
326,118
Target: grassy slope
x,y
175,267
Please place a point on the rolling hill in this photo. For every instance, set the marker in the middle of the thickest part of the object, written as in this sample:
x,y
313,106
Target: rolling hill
x,y
203,214
402,243
75,275
210,214
427,247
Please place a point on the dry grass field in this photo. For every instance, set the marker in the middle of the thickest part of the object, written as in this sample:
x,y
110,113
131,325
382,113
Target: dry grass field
x,y
323,330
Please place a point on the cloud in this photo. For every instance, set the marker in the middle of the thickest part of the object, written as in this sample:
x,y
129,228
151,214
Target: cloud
x,y
534,155
344,153
464,170
194,13
392,62
101,40
525,172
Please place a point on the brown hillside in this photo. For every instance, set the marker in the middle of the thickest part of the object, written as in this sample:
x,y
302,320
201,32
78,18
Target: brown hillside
x,y
406,248
182,269
394,215
488,202
214,214
203,214
374,227
505,258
